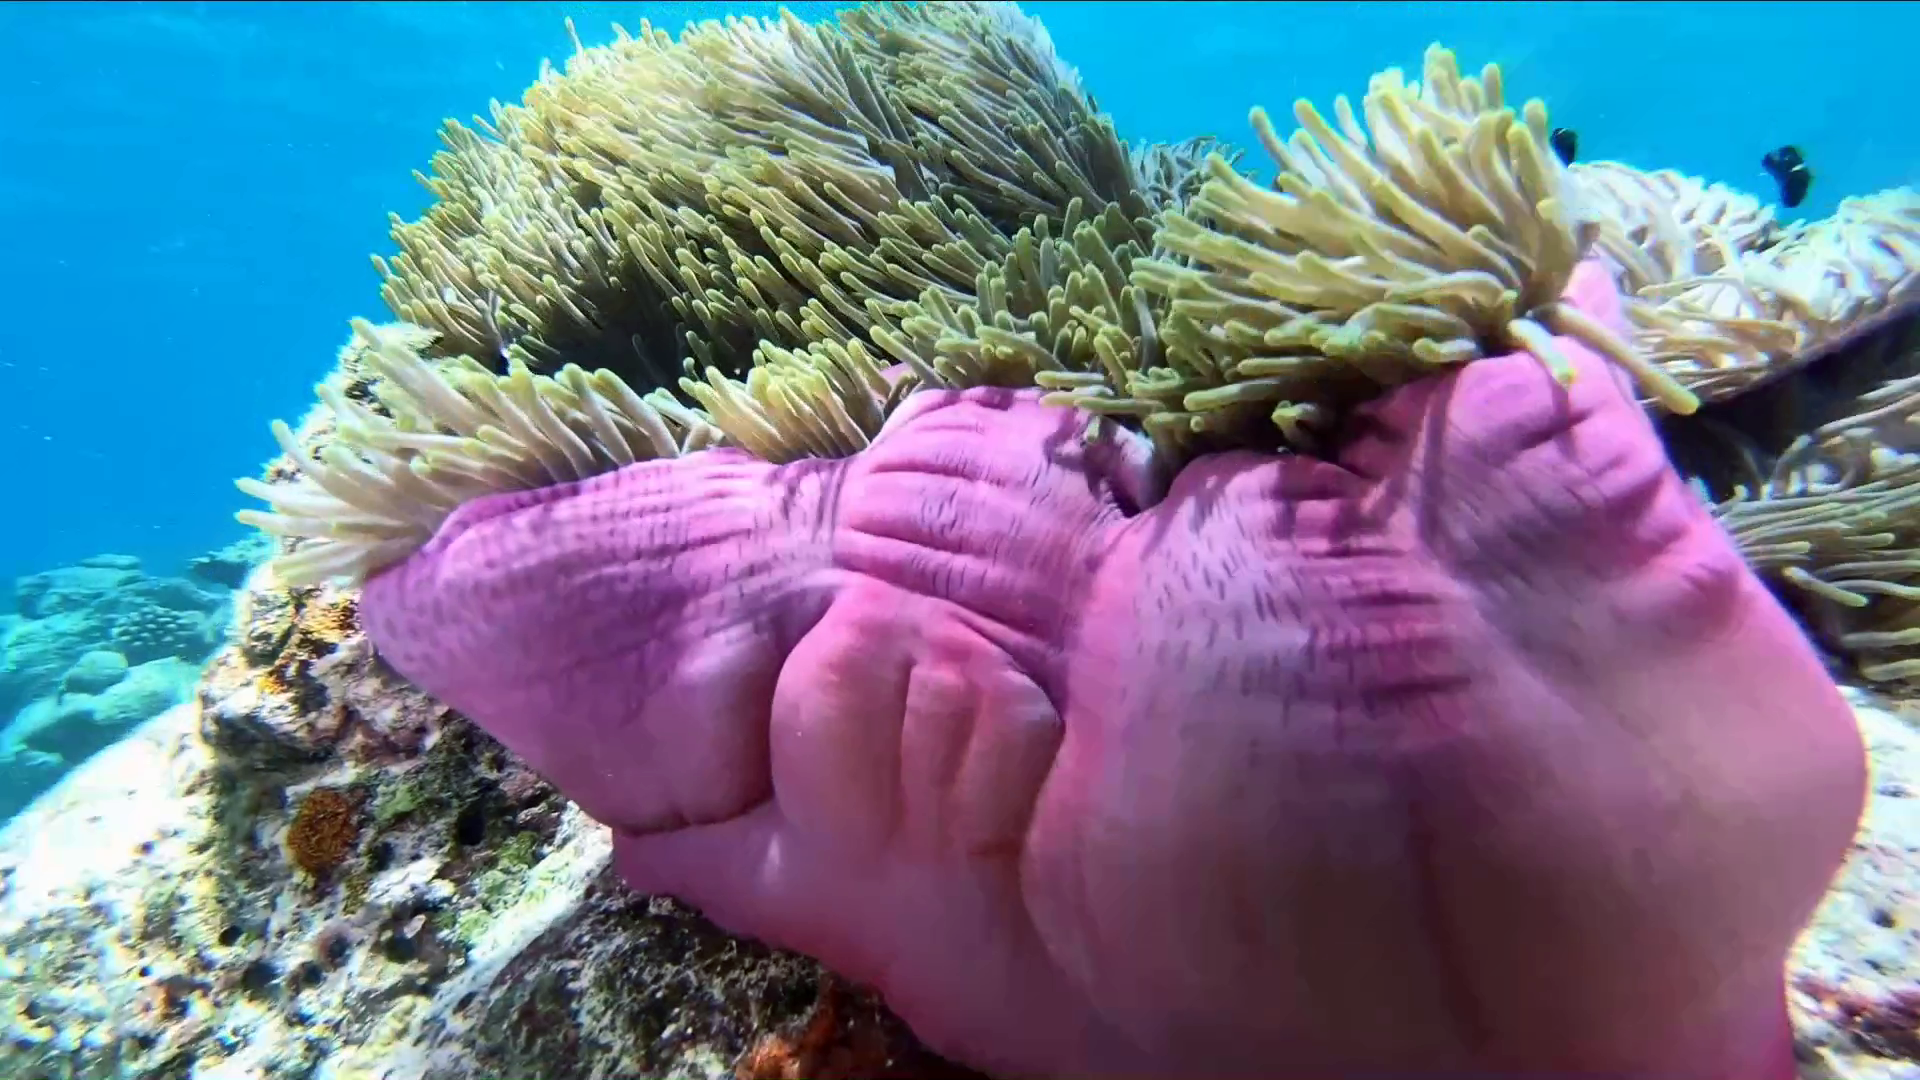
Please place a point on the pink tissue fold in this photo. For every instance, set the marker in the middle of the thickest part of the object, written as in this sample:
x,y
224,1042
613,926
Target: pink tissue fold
x,y
1475,749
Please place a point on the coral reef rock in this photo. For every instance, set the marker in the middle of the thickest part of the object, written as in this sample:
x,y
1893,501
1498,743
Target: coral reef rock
x,y
228,567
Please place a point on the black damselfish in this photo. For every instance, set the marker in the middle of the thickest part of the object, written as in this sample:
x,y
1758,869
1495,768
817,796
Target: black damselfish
x,y
1565,143
1789,170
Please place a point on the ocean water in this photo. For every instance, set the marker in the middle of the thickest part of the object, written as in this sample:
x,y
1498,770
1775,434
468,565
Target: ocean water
x,y
189,191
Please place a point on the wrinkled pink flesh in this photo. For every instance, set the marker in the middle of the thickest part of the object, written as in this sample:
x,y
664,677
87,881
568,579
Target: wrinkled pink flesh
x,y
1474,750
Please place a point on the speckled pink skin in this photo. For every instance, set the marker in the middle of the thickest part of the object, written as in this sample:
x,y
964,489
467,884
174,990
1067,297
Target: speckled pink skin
x,y
1475,751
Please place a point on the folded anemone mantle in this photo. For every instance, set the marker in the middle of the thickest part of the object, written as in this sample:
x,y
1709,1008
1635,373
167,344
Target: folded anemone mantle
x,y
995,717
1143,622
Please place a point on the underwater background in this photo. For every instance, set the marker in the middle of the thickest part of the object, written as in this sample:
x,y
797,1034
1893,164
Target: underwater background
x,y
190,191
237,841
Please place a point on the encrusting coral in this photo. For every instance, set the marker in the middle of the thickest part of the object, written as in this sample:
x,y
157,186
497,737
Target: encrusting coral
x,y
323,831
767,233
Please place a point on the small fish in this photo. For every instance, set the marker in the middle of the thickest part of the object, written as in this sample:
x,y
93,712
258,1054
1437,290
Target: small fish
x,y
1565,143
1789,170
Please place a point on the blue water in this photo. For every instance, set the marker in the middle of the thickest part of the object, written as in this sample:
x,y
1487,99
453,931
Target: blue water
x,y
189,191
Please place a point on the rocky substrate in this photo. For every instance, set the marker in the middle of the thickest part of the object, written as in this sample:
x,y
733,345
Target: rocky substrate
x,y
1855,985
315,872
